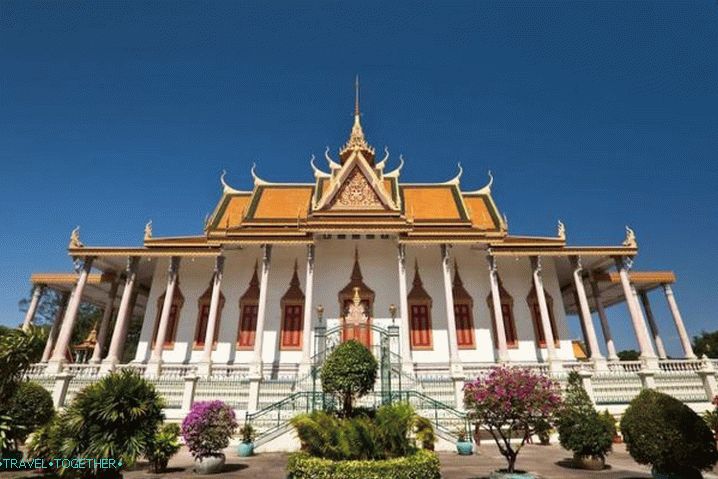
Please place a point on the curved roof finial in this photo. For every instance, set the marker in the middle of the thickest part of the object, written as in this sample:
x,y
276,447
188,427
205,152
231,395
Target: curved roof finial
x,y
561,230
630,239
257,179
332,164
148,230
317,171
486,188
381,164
455,180
75,238
397,170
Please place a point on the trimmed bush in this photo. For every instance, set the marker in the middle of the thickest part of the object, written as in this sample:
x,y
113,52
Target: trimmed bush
x,y
208,428
662,431
28,409
581,429
421,465
360,438
349,372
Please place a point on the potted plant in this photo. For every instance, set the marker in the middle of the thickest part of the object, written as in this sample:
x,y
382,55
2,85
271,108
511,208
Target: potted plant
x,y
711,418
463,446
246,447
610,420
206,431
508,402
662,431
163,446
582,430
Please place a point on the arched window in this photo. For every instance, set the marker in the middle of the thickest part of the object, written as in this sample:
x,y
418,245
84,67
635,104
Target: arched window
x,y
419,303
532,300
292,314
204,303
248,305
175,309
463,313
507,311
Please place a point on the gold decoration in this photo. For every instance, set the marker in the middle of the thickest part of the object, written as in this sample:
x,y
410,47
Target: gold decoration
x,y
630,240
357,193
561,230
75,238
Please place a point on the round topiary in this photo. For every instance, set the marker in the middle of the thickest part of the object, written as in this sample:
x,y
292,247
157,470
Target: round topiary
x,y
350,372
208,427
29,408
662,431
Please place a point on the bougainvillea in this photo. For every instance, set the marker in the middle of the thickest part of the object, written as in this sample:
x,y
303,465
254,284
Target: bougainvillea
x,y
509,402
208,428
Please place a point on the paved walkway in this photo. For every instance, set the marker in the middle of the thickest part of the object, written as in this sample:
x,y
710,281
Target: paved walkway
x,y
549,462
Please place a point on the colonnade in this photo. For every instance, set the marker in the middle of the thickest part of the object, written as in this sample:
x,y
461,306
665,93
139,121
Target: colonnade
x,y
642,319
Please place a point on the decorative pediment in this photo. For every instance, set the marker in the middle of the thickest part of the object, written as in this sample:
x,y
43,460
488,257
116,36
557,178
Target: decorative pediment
x,y
356,193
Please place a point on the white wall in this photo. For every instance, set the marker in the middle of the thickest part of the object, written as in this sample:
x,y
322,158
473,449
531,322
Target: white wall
x,y
334,259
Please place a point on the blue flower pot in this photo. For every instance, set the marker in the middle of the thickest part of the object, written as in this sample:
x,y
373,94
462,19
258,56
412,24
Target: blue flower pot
x,y
245,449
464,448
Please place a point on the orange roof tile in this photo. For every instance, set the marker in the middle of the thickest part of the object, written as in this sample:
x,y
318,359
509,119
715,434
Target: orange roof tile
x,y
236,208
431,203
282,202
479,212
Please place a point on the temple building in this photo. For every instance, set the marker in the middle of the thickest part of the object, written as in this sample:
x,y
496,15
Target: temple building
x,y
427,275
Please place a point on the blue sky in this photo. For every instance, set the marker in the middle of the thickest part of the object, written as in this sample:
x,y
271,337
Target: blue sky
x,y
601,114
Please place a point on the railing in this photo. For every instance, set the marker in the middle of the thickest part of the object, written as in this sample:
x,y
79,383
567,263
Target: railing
x,y
170,370
82,370
680,365
625,366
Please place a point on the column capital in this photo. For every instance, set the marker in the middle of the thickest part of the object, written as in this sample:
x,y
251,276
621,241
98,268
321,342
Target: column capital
x,y
266,254
624,262
576,263
446,253
536,263
218,265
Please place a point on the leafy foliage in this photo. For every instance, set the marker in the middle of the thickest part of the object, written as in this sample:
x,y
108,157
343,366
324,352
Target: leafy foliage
x,y
662,431
18,350
628,355
208,428
115,417
388,434
349,372
248,433
29,408
422,464
508,402
581,429
163,446
706,343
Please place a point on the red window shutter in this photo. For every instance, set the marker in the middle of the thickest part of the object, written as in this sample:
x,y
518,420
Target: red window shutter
x,y
248,325
202,326
420,326
292,332
464,325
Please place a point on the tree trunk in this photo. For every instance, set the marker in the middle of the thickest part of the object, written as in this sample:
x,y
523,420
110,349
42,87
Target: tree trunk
x,y
347,404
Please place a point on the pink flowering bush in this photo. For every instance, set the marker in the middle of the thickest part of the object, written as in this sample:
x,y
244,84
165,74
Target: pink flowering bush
x,y
509,403
208,428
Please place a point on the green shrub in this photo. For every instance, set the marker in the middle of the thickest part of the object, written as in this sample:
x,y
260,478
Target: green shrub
x,y
29,408
662,431
421,465
163,446
349,372
18,350
208,427
116,417
248,433
361,437
581,429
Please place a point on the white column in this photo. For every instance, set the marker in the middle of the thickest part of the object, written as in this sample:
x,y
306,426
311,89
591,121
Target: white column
x,y
405,329
213,313
586,319
68,322
166,308
308,305
450,314
37,291
543,309
55,329
256,367
610,346
124,315
639,326
678,320
503,351
105,323
652,325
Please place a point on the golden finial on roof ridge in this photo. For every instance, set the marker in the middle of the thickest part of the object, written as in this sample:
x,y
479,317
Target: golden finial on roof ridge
x,y
356,138
75,238
356,97
630,240
148,230
561,230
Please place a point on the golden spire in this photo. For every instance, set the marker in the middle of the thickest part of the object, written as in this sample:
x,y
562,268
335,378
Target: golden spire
x,y
356,141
